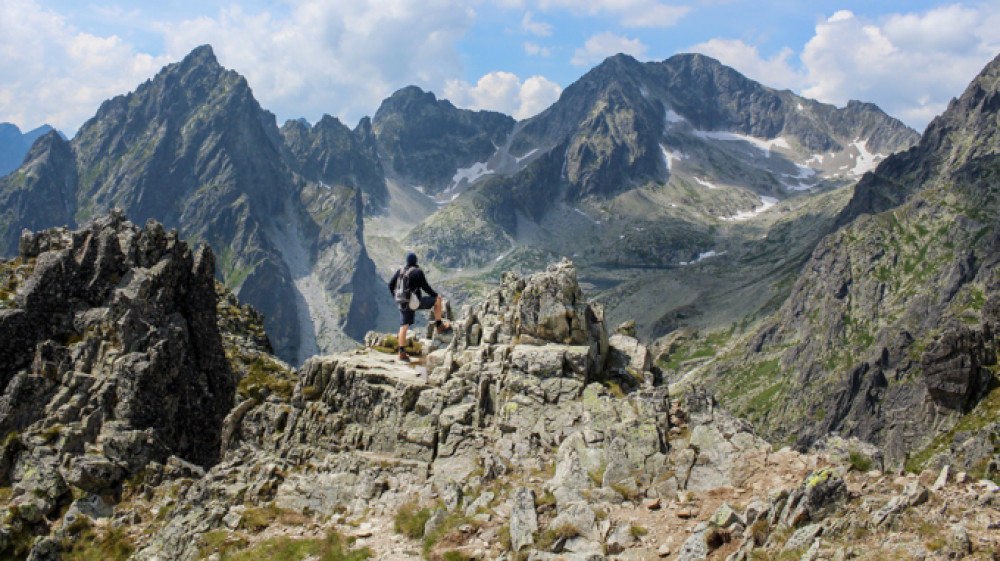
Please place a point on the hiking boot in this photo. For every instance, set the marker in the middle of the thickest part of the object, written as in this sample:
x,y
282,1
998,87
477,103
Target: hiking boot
x,y
443,327
403,356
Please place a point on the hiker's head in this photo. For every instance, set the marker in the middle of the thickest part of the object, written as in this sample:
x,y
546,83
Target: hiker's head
x,y
411,259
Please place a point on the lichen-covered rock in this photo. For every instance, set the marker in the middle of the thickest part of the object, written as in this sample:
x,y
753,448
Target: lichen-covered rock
x,y
523,519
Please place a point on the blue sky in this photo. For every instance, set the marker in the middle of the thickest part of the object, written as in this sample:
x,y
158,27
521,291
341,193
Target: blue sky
x,y
59,58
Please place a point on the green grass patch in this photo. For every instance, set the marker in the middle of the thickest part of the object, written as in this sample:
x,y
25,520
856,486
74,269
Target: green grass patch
x,y
85,543
448,526
549,537
222,542
333,547
390,345
637,531
258,519
859,461
261,373
410,520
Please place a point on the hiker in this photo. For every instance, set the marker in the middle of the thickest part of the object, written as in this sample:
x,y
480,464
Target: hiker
x,y
409,281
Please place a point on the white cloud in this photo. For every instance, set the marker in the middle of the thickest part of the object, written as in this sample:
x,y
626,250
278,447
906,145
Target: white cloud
x,y
775,71
340,58
539,28
52,73
504,92
633,13
605,44
910,65
534,49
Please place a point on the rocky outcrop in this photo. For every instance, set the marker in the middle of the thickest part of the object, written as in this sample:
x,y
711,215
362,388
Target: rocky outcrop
x,y
521,387
525,432
112,360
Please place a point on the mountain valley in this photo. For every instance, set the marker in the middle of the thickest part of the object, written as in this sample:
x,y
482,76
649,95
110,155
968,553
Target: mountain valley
x,y
693,318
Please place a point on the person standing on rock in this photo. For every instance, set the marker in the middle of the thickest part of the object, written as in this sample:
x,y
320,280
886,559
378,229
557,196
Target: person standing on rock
x,y
413,283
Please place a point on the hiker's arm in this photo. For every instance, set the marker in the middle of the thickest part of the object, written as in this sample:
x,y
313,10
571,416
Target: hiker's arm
x,y
422,284
392,283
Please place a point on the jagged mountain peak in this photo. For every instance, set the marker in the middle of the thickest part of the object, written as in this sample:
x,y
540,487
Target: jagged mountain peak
x,y
407,99
202,55
14,145
51,140
974,111
425,140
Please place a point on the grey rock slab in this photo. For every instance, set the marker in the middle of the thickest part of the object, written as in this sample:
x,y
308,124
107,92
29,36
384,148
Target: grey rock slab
x,y
580,517
803,537
523,518
620,539
694,547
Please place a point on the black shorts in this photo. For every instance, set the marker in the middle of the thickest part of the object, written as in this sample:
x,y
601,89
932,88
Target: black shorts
x,y
408,316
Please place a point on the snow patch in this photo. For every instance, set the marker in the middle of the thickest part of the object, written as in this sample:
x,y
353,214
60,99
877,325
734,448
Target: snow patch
x,y
526,156
598,222
669,157
469,174
702,256
800,186
705,183
866,161
805,172
673,117
766,203
815,159
762,144
799,107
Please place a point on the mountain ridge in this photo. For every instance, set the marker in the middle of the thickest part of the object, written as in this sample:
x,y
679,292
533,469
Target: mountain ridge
x,y
895,310
311,215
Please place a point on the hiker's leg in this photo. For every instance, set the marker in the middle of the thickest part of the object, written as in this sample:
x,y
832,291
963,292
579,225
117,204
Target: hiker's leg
x,y
437,309
401,340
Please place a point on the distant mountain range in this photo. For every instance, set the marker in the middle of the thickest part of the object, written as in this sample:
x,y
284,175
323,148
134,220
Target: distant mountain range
x,y
686,193
14,145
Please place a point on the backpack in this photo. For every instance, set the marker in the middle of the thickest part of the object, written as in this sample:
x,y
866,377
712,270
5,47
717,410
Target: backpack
x,y
403,293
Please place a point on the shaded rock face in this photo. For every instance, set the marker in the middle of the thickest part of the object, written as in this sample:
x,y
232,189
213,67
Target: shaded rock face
x,y
14,145
426,139
111,359
332,153
40,193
